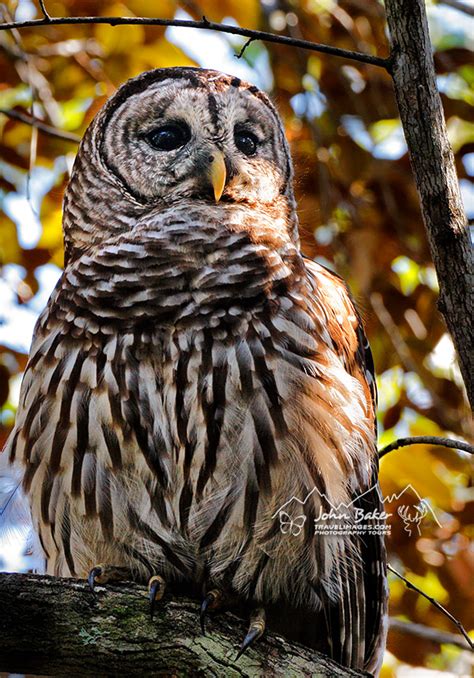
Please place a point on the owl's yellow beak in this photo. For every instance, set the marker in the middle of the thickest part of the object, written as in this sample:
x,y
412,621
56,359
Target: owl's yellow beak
x,y
218,174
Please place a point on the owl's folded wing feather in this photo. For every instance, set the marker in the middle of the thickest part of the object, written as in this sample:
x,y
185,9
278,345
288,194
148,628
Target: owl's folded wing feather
x,y
356,621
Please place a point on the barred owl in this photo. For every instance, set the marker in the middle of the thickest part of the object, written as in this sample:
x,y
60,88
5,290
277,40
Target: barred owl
x,y
193,377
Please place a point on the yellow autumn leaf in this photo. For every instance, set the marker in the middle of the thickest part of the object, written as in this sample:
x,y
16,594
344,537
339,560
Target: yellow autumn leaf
x,y
52,234
386,672
17,136
119,39
58,257
245,12
397,589
431,585
161,54
9,247
414,466
72,76
315,67
164,9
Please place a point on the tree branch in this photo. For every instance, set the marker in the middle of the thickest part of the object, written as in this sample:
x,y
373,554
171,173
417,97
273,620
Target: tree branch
x,y
433,165
43,9
59,627
41,125
426,633
426,440
203,24
243,48
435,603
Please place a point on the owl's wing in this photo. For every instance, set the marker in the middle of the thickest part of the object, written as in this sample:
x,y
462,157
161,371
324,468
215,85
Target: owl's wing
x,y
346,329
356,620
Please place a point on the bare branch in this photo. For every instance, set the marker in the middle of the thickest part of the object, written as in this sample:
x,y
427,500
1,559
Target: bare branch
x,y
426,632
203,24
40,125
427,440
43,9
244,47
434,602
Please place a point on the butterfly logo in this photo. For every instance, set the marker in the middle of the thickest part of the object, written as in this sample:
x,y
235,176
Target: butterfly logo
x,y
289,525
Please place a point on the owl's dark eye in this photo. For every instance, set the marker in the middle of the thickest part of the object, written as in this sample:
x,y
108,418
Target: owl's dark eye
x,y
246,142
169,137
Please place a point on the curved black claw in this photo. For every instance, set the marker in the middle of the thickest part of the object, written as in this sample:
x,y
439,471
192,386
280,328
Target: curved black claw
x,y
211,601
156,590
256,631
203,613
93,575
103,573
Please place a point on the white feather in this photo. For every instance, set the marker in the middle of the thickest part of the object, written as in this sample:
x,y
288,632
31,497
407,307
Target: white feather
x,y
19,547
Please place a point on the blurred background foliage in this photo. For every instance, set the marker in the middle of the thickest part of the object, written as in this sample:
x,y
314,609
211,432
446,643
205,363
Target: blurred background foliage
x,y
359,214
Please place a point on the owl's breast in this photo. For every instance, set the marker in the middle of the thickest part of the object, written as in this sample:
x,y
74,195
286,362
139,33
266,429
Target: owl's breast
x,y
198,400
174,275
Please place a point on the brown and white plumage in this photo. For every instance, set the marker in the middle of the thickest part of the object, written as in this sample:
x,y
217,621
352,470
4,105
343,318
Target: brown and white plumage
x,y
192,372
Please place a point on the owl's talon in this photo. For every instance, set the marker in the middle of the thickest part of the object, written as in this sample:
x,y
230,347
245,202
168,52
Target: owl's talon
x,y
93,575
156,591
256,631
102,574
210,602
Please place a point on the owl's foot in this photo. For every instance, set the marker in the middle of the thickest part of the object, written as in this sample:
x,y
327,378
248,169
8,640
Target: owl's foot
x,y
212,601
102,574
156,591
256,630
216,599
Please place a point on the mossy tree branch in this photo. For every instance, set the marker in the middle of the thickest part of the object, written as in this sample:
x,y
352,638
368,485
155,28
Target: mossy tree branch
x,y
51,626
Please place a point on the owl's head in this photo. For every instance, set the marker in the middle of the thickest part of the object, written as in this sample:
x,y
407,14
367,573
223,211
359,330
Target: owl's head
x,y
178,134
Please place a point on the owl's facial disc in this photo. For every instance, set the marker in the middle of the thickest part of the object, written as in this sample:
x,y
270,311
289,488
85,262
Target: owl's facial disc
x,y
178,139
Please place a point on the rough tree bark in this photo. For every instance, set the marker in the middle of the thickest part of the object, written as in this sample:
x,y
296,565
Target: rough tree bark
x,y
51,626
433,165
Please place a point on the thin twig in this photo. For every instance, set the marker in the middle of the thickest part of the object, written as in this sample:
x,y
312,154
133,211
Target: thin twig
x,y
202,24
40,125
434,602
427,440
43,9
426,632
244,47
33,155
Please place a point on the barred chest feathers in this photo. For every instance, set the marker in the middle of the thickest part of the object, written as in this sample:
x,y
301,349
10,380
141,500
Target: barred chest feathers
x,y
200,365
